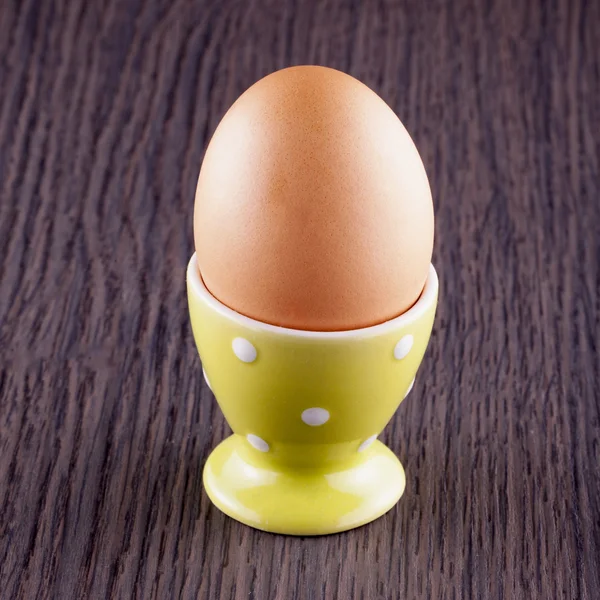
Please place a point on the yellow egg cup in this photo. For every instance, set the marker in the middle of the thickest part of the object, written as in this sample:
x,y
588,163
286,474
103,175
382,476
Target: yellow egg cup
x,y
306,408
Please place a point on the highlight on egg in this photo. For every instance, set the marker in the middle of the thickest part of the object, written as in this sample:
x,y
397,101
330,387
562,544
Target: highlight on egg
x,y
313,210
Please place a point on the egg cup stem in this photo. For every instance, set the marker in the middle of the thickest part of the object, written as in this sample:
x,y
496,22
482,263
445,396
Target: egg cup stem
x,y
302,501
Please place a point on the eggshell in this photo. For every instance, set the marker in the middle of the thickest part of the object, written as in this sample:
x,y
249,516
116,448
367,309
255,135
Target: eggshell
x,y
313,210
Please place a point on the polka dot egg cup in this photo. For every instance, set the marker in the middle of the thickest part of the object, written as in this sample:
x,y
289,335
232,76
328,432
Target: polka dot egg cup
x,y
306,409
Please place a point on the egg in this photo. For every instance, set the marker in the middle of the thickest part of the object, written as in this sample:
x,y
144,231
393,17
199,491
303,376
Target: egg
x,y
313,210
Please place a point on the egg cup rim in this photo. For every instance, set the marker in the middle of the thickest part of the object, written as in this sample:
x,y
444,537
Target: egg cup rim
x,y
426,299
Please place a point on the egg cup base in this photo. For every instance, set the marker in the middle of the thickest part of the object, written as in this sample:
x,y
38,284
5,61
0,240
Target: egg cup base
x,y
306,502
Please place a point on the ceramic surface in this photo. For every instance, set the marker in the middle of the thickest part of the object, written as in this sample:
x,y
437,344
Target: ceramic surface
x,y
305,409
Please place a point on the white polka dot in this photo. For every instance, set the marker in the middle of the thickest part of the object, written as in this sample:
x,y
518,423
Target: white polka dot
x,y
315,416
403,347
244,350
410,387
367,443
206,379
257,442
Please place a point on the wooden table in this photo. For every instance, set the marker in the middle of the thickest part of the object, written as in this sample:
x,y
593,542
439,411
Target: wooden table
x,y
105,422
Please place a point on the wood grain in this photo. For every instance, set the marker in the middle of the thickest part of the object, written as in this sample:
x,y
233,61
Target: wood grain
x,y
105,423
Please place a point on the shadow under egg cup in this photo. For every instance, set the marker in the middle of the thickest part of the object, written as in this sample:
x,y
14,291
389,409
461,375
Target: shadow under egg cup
x,y
305,409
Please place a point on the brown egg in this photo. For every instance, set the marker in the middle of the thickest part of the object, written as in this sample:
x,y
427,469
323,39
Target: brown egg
x,y
313,210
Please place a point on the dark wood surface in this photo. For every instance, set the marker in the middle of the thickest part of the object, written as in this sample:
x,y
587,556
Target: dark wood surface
x,y
105,423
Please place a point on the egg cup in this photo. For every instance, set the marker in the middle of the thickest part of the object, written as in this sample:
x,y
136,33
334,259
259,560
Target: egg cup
x,y
306,409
